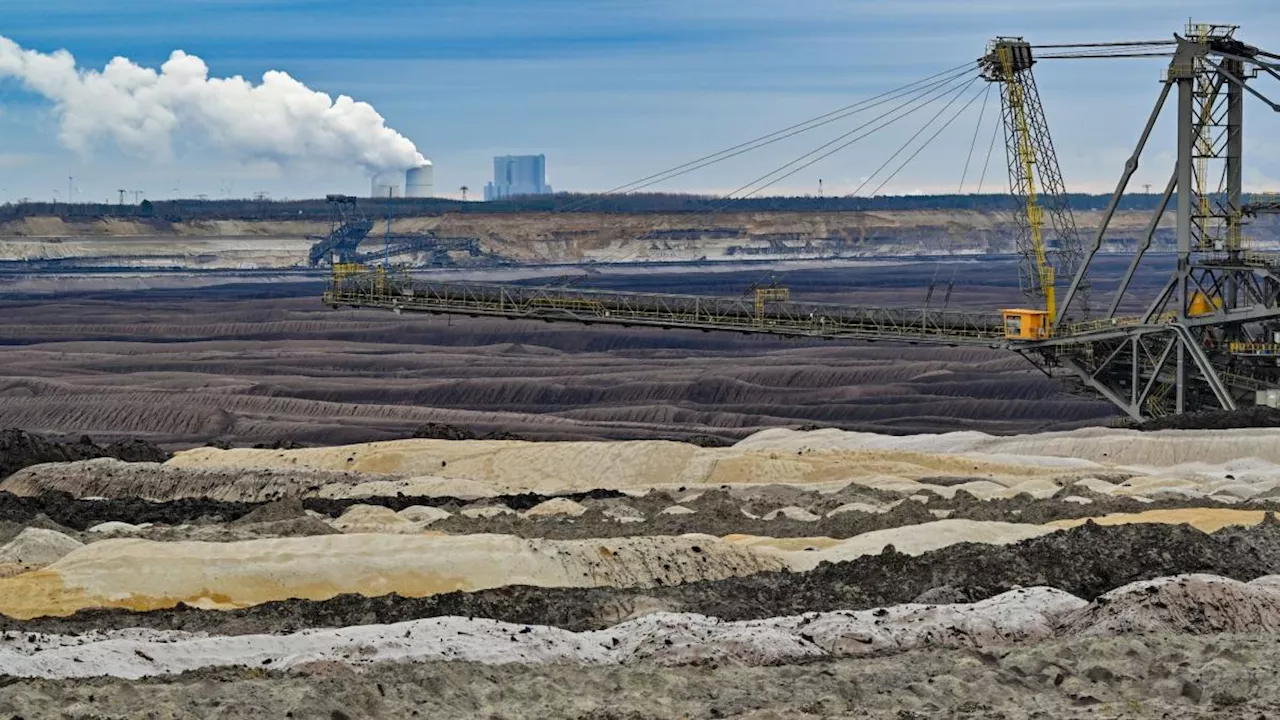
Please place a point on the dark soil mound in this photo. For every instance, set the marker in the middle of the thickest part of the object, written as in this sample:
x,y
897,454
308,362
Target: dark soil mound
x,y
277,445
66,509
443,431
1086,561
20,449
78,514
1253,417
504,435
707,441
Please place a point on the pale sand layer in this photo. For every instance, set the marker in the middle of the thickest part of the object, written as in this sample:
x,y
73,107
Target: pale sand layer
x,y
1076,448
1198,604
1230,466
145,575
1204,519
802,554
1234,465
553,467
661,638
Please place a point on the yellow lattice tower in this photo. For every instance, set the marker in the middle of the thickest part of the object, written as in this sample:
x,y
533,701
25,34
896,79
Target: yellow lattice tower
x,y
1027,156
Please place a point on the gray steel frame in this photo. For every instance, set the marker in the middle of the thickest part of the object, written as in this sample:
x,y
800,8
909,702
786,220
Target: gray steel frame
x,y
1176,357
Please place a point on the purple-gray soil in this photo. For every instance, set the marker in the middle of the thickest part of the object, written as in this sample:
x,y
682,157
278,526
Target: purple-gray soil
x,y
259,363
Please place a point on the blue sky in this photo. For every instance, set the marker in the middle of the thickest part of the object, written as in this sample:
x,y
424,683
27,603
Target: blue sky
x,y
613,90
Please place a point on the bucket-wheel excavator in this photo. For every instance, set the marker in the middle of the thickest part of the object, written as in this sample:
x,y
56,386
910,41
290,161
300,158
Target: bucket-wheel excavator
x,y
1208,339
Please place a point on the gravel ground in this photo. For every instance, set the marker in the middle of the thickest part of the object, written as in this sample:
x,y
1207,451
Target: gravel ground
x,y
1155,676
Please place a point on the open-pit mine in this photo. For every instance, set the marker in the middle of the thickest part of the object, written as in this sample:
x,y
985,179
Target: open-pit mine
x,y
761,464
277,509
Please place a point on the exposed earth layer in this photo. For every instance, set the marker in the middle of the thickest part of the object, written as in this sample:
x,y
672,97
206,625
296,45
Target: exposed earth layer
x,y
809,574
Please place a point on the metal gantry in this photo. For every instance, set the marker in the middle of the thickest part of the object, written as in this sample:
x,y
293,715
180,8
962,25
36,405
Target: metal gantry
x,y
1194,347
349,228
1209,339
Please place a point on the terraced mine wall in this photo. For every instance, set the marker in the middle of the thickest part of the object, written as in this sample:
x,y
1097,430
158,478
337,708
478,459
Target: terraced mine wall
x,y
539,238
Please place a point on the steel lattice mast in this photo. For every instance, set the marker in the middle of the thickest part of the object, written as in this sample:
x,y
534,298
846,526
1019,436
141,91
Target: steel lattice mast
x,y
1035,181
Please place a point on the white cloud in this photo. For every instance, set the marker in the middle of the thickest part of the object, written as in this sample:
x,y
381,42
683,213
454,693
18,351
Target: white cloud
x,y
279,119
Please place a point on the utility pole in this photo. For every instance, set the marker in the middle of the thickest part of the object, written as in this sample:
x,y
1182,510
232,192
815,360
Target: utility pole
x,y
71,189
386,238
122,192
819,187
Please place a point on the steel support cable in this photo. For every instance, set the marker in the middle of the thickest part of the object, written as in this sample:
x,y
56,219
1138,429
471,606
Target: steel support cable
x,y
926,144
956,93
778,135
947,78
986,164
1154,48
929,99
973,144
1089,56
944,81
1131,43
931,138
929,95
1104,52
949,247
934,82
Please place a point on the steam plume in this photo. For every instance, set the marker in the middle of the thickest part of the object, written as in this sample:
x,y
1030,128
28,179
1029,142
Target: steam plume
x,y
279,119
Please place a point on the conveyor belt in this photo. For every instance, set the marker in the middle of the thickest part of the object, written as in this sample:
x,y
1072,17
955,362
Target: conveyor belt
x,y
698,312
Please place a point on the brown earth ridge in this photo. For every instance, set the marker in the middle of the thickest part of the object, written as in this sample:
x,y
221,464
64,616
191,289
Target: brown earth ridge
x,y
573,237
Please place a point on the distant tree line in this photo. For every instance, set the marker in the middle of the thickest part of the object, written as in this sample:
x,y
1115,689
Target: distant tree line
x,y
163,211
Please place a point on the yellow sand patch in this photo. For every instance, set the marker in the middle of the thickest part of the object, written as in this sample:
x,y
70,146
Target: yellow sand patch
x,y
577,465
146,575
1204,519
501,464
762,466
801,544
39,593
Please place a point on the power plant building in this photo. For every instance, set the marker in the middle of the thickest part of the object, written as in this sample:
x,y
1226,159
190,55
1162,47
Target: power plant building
x,y
518,175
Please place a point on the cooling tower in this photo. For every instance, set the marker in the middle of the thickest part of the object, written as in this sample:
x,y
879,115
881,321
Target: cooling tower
x,y
420,182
